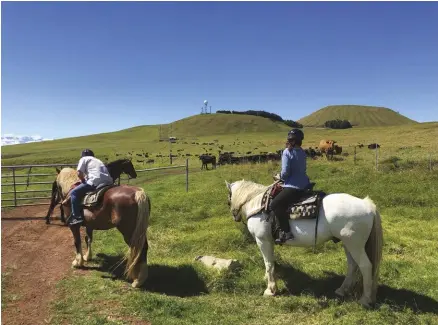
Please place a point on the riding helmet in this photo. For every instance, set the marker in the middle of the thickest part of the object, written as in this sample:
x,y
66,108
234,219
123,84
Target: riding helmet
x,y
295,134
87,152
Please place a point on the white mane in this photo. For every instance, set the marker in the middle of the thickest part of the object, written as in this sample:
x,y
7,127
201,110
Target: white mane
x,y
243,191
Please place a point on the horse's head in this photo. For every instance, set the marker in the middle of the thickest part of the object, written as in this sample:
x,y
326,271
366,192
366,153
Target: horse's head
x,y
128,168
240,193
235,209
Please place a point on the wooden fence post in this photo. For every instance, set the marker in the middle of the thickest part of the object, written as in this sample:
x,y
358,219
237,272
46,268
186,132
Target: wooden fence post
x,y
187,174
377,155
355,155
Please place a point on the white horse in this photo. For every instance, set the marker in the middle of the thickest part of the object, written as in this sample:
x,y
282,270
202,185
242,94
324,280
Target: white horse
x,y
354,221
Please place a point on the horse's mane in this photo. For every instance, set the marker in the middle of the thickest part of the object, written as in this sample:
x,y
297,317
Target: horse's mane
x,y
245,191
116,162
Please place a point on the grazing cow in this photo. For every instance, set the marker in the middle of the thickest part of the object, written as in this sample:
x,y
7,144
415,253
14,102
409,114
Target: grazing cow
x,y
225,158
373,146
327,147
337,149
207,159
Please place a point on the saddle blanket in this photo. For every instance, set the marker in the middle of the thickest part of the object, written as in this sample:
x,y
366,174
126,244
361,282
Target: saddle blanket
x,y
93,198
306,208
90,199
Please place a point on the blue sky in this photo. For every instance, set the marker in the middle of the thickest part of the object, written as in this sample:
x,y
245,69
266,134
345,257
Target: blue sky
x,y
76,68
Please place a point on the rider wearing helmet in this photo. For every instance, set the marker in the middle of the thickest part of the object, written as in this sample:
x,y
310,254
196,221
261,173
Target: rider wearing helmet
x,y
92,172
293,173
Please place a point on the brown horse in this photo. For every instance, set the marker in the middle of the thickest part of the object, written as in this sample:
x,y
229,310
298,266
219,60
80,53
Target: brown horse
x,y
115,169
122,206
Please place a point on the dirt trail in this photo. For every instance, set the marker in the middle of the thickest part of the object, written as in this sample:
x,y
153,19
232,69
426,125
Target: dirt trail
x,y
35,256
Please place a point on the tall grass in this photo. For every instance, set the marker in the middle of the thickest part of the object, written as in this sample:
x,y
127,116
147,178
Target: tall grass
x,y
185,225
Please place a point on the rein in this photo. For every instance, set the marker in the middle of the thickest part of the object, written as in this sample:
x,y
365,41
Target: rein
x,y
238,211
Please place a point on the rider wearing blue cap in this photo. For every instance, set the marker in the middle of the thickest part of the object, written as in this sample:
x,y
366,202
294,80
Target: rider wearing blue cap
x,y
293,173
92,172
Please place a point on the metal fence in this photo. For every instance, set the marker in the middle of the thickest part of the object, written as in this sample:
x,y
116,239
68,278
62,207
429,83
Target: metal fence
x,y
17,177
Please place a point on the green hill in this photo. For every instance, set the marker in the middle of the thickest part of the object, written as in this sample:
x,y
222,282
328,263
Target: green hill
x,y
194,128
215,124
357,115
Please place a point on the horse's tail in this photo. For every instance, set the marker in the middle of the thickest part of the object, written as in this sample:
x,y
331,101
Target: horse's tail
x,y
54,200
138,239
373,247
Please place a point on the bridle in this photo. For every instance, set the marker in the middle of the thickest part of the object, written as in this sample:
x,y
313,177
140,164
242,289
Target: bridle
x,y
235,214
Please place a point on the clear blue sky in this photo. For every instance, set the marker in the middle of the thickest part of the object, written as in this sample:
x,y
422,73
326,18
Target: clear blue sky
x,y
81,68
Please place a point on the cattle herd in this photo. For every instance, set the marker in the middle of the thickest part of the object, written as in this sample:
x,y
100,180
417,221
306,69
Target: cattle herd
x,y
328,148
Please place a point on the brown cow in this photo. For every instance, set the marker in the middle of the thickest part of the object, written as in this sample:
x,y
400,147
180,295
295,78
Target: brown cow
x,y
327,147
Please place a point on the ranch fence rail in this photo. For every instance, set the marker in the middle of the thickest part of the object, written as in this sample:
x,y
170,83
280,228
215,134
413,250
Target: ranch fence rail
x,y
17,183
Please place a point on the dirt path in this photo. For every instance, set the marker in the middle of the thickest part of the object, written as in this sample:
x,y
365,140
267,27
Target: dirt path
x,y
34,257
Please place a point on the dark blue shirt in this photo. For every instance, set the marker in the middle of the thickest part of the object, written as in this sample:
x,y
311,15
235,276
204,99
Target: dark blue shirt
x,y
293,168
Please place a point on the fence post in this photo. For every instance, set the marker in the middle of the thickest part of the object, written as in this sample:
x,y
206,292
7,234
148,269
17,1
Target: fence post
x,y
377,158
187,174
430,162
355,155
15,189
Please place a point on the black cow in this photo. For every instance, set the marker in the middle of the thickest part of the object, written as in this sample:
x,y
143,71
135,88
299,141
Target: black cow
x,y
207,159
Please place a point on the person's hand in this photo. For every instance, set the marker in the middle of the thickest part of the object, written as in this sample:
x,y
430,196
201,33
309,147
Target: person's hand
x,y
277,177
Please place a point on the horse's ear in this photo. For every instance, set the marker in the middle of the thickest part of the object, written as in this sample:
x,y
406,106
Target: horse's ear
x,y
57,170
228,186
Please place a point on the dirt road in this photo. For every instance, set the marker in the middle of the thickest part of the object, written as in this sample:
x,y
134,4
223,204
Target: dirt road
x,y
34,257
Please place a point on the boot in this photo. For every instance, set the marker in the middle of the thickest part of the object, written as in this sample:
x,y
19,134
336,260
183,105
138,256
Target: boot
x,y
283,237
73,220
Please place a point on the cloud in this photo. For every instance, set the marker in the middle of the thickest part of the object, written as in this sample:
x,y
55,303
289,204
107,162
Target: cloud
x,y
10,139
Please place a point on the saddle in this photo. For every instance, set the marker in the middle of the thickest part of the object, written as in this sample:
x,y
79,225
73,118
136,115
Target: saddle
x,y
307,207
92,198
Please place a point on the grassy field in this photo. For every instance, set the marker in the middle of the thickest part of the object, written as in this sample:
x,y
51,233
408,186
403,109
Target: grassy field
x,y
363,116
214,133
185,225
407,147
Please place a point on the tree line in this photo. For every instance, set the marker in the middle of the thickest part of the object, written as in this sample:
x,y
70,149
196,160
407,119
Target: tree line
x,y
338,124
271,116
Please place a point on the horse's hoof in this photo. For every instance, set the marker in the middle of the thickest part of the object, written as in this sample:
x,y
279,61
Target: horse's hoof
x,y
365,302
77,264
136,284
87,258
268,293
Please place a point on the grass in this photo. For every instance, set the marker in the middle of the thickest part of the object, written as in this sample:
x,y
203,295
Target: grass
x,y
237,133
185,225
395,154
363,116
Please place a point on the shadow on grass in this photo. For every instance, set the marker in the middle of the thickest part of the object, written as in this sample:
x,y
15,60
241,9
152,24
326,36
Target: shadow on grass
x,y
298,282
181,281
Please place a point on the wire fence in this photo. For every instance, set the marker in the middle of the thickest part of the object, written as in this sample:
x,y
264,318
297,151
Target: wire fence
x,y
28,183
386,159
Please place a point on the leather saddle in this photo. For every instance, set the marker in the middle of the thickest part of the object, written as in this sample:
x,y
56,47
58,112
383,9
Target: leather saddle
x,y
92,198
307,207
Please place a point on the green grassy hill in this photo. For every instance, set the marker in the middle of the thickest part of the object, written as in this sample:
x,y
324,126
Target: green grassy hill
x,y
214,124
198,128
357,115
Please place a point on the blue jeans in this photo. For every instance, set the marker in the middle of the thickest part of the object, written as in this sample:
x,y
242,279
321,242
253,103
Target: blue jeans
x,y
77,194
